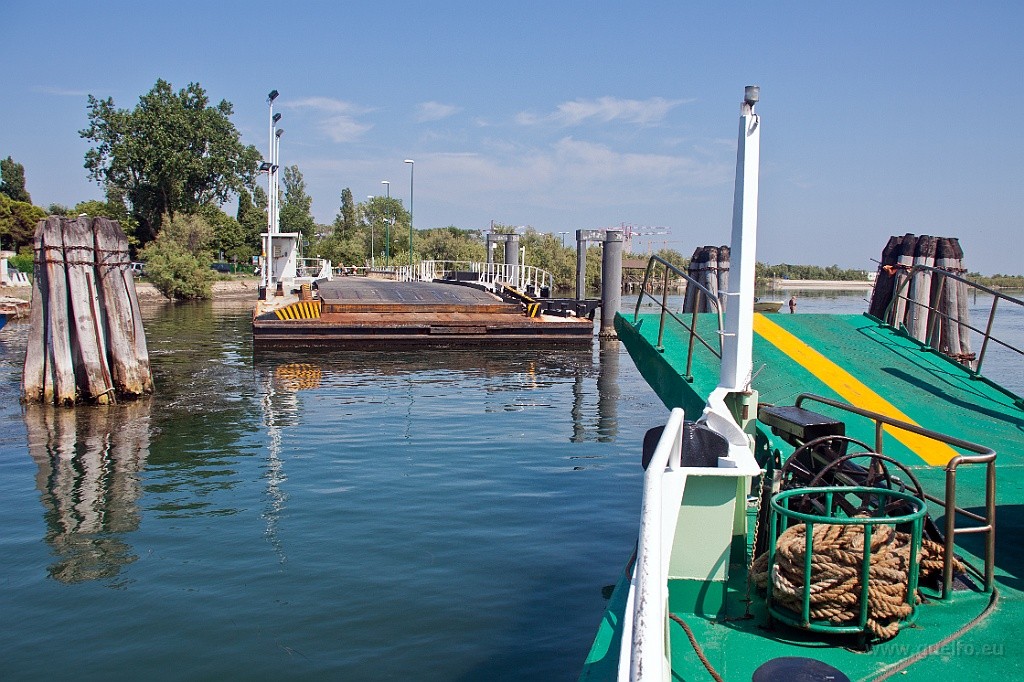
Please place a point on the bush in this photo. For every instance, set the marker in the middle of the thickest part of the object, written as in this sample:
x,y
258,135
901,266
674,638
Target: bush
x,y
23,261
178,260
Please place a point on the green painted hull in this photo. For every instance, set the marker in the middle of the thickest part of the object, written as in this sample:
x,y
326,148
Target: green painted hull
x,y
958,638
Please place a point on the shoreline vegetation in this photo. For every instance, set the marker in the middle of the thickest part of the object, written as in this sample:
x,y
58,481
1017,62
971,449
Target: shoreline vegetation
x,y
244,289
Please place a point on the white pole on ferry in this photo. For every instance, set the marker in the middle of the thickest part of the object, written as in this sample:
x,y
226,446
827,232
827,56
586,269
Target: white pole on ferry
x,y
739,318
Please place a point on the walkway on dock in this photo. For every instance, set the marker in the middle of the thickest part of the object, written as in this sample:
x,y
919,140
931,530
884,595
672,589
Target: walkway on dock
x,y
417,296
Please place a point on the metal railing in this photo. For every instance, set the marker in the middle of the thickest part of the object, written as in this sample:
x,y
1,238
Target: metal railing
x,y
983,455
521,277
313,268
904,278
702,293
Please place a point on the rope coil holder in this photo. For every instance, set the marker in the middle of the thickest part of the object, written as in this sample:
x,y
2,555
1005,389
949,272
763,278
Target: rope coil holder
x,y
783,516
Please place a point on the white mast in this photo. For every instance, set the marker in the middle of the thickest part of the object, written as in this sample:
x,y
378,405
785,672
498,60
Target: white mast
x,y
739,318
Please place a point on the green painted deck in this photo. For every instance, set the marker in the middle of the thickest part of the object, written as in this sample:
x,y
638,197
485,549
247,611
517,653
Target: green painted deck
x,y
837,356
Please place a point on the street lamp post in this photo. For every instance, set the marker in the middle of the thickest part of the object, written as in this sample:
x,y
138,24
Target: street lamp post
x,y
412,168
373,252
387,226
563,238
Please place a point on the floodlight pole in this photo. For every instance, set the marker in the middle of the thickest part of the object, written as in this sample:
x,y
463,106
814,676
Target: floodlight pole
x,y
265,276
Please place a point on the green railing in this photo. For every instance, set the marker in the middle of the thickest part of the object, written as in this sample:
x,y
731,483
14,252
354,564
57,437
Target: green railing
x,y
702,294
936,314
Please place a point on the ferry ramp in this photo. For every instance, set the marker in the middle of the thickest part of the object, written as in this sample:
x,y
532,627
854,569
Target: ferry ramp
x,y
851,358
361,313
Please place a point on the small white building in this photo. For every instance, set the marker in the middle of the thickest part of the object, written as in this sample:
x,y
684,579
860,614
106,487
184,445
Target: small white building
x,y
9,276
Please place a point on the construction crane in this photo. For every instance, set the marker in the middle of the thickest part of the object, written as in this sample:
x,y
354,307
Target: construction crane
x,y
630,231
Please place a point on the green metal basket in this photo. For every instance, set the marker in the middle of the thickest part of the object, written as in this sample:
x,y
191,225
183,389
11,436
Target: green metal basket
x,y
783,517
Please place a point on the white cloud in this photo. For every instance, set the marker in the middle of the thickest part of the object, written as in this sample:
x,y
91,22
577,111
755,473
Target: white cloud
x,y
338,119
326,104
435,111
605,110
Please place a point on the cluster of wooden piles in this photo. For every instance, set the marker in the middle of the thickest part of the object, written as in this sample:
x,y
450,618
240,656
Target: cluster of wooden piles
x,y
932,306
709,266
86,342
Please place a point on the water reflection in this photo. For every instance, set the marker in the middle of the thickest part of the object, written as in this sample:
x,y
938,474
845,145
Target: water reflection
x,y
510,381
89,461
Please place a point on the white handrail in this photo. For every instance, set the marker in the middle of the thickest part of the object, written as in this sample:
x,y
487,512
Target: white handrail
x,y
522,277
646,617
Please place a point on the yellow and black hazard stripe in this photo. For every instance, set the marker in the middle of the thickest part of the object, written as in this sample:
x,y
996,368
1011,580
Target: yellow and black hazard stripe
x,y
303,310
533,307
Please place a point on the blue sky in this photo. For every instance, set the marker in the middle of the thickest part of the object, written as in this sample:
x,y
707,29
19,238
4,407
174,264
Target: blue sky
x,y
878,118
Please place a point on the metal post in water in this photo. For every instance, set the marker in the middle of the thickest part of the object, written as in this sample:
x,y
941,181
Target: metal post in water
x,y
611,281
739,336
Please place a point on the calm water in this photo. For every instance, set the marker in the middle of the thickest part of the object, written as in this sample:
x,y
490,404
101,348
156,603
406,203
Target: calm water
x,y
448,516
423,516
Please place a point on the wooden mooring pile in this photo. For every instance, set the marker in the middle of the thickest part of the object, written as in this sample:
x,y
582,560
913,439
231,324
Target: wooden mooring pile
x,y
932,306
86,342
709,266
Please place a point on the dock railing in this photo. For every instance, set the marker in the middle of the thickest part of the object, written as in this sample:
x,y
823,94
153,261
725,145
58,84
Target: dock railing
x,y
938,312
982,455
521,277
703,293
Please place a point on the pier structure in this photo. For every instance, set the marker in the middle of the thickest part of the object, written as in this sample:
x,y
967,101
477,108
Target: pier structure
x,y
365,313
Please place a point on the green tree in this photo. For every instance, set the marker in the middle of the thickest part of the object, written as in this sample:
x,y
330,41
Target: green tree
x,y
12,180
345,221
295,209
173,153
228,240
178,260
18,222
452,244
378,213
252,217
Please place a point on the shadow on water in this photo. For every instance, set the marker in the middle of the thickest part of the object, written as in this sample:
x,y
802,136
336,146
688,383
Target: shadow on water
x,y
89,462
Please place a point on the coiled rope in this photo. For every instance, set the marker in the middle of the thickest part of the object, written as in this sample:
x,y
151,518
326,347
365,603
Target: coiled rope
x,y
836,562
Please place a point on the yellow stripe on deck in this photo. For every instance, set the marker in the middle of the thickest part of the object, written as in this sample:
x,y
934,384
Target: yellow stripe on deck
x,y
851,389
